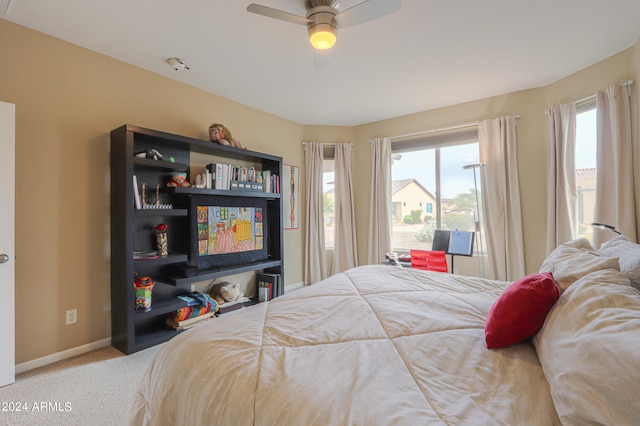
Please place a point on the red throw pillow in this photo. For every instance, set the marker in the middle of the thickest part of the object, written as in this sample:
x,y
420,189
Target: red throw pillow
x,y
521,310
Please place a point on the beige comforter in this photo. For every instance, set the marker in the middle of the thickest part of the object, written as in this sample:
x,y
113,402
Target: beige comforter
x,y
376,345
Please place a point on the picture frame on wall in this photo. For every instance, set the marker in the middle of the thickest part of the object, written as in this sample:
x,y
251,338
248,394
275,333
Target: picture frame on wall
x,y
291,196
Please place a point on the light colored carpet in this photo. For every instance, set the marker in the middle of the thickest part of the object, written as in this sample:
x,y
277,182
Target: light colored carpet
x,y
90,389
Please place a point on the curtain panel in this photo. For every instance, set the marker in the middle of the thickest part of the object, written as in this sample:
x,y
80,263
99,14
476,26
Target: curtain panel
x,y
615,188
562,204
345,254
501,198
314,253
380,201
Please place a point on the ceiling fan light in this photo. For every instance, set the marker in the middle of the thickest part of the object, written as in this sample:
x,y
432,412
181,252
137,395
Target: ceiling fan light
x,y
322,36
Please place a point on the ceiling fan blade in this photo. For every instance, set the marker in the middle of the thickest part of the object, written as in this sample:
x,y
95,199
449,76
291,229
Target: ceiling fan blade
x,y
366,11
277,14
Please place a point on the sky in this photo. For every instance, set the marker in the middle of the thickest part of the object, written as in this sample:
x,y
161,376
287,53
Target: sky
x,y
421,166
586,140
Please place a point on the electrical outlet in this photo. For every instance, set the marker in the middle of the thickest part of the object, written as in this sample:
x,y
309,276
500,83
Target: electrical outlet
x,y
72,316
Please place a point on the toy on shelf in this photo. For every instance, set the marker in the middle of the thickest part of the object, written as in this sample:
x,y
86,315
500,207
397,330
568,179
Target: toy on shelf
x,y
179,179
149,153
226,291
161,239
143,287
156,206
220,134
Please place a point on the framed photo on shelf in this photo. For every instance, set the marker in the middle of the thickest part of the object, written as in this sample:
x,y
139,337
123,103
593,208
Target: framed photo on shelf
x,y
291,196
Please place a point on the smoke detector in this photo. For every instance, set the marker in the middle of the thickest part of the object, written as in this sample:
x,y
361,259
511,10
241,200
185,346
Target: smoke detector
x,y
177,64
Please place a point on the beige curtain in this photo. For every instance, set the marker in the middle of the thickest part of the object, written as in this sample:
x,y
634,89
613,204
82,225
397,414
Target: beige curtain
x,y
501,198
615,189
380,200
562,204
314,259
345,253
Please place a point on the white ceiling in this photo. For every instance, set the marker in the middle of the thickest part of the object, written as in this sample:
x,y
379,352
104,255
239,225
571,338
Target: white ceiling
x,y
429,54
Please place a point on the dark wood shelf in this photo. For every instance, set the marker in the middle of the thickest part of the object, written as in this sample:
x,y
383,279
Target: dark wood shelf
x,y
152,337
132,229
160,212
162,260
209,274
164,306
160,165
226,192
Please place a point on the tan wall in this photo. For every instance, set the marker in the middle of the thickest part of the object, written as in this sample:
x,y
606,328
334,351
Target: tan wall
x,y
69,98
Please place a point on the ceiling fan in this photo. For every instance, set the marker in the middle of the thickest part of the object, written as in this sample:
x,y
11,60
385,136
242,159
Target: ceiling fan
x,y
323,17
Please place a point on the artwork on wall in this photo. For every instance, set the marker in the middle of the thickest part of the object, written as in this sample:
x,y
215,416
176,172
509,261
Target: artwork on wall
x,y
291,196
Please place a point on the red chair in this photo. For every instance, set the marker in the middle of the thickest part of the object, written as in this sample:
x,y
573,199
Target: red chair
x,y
430,260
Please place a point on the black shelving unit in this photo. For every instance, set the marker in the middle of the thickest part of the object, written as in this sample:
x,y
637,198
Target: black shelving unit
x,y
132,229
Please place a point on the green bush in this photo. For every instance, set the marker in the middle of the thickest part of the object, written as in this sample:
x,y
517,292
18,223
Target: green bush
x,y
416,216
425,233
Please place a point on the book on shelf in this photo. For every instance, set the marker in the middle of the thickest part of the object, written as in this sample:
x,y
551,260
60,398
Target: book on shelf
x,y
232,306
189,322
269,286
265,290
136,193
218,179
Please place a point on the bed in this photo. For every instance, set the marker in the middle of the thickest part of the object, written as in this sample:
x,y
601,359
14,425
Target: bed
x,y
389,345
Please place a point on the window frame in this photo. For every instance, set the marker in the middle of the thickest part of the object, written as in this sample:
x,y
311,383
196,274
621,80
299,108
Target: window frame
x,y
436,140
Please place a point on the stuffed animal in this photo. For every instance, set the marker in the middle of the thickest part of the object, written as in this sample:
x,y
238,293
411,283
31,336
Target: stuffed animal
x,y
220,134
149,153
227,291
179,179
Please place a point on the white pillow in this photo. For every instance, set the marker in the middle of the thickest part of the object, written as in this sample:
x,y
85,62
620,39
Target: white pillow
x,y
589,349
573,260
628,254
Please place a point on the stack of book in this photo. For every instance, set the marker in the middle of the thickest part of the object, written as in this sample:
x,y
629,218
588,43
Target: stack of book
x,y
189,322
269,286
200,306
237,178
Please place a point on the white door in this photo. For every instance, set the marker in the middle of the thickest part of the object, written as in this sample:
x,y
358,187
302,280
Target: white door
x,y
7,235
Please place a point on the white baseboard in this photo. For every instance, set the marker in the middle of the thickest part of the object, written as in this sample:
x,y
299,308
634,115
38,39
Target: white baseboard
x,y
59,356
292,287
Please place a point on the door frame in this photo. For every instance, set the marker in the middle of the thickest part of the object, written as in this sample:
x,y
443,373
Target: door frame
x,y
7,243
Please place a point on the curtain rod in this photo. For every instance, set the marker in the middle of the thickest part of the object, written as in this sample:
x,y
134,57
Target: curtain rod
x,y
592,98
330,144
444,129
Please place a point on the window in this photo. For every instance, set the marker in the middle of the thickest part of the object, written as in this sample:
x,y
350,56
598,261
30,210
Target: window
x,y
586,169
328,195
432,190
